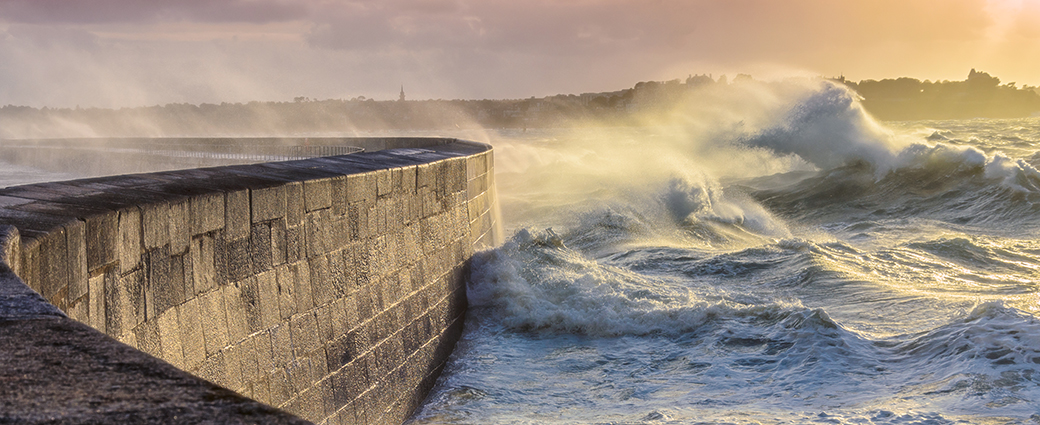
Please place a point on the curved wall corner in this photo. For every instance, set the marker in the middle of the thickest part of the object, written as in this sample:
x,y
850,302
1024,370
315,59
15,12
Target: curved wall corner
x,y
331,288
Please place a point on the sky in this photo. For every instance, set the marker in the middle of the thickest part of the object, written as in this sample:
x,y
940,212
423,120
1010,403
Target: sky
x,y
127,53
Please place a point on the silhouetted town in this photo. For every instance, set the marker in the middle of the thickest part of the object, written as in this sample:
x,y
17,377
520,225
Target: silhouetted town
x,y
980,95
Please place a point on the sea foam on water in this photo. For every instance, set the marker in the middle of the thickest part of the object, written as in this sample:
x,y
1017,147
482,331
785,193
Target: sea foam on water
x,y
767,253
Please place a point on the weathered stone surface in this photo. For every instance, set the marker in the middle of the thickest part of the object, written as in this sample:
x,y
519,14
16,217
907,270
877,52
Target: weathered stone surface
x,y
294,204
236,214
203,255
331,287
317,194
102,239
214,321
155,221
129,239
268,289
207,213
268,203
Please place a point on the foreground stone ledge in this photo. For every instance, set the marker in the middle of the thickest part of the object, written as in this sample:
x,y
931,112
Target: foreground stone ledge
x,y
97,379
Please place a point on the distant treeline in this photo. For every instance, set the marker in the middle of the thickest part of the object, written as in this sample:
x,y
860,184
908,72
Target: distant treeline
x,y
980,95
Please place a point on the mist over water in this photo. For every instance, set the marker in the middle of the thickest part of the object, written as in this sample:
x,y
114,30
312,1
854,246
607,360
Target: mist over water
x,y
766,254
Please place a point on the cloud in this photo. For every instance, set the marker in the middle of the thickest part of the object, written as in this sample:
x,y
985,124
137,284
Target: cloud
x,y
122,11
240,50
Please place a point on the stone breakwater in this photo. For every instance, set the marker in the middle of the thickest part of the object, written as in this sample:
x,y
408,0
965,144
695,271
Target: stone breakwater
x,y
331,288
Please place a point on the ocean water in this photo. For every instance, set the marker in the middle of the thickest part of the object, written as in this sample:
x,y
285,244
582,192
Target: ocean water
x,y
768,254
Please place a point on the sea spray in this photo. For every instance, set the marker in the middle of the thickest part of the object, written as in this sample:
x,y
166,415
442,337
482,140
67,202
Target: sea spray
x,y
798,263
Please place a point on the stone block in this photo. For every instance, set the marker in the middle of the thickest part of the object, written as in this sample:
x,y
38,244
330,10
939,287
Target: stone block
x,y
192,336
317,233
237,321
170,338
236,260
164,292
324,320
237,218
294,204
204,263
328,401
361,188
76,246
298,372
337,353
268,288
355,380
264,352
320,281
214,321
409,179
304,293
207,213
128,338
102,239
155,224
317,194
78,310
365,308
380,260
251,303
261,248
362,259
350,316
384,182
456,175
179,274
338,275
281,345
286,280
137,295
295,247
338,191
339,232
45,266
248,365
214,369
410,338
262,389
147,334
278,242
280,388
96,297
233,367
180,226
304,334
130,245
268,203
425,176
357,220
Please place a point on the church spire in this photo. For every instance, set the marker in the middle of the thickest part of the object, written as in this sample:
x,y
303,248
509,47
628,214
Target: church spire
x,y
402,94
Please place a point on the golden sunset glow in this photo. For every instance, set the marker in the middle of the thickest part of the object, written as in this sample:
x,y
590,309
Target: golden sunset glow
x,y
66,52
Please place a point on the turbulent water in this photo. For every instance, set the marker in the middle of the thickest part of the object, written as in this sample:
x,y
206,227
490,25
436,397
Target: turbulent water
x,y
770,256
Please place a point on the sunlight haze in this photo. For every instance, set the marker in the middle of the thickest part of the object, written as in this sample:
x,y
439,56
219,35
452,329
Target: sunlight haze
x,y
117,53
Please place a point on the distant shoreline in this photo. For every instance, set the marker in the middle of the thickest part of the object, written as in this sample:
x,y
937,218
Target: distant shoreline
x,y
901,99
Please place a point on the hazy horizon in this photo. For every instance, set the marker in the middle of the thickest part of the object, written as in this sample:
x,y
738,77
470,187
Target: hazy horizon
x,y
117,53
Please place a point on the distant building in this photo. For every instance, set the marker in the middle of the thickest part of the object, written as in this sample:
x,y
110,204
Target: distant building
x,y
401,98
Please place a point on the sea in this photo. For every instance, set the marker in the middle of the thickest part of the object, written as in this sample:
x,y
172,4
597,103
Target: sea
x,y
766,254
763,253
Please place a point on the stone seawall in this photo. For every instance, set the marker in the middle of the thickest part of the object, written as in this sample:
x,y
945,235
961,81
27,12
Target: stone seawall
x,y
331,288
